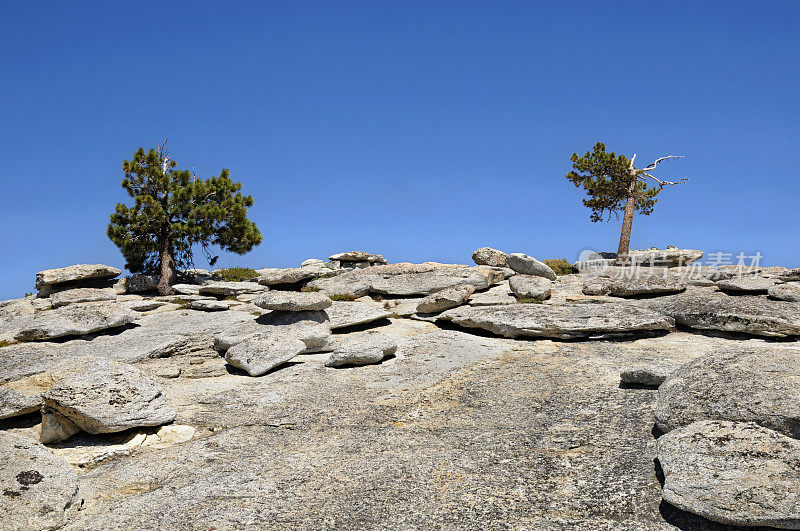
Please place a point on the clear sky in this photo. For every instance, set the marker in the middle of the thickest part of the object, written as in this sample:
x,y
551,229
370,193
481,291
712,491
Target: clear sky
x,y
420,130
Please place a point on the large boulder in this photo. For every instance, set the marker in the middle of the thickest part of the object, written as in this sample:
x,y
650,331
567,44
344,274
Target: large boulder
x,y
344,314
79,272
528,265
445,299
363,349
98,395
531,287
293,301
260,354
72,296
292,275
745,284
732,473
230,289
311,327
758,386
37,489
567,321
669,257
75,320
705,309
490,257
357,259
634,282
789,291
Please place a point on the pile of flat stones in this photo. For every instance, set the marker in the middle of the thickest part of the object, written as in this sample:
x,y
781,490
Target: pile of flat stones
x,y
77,352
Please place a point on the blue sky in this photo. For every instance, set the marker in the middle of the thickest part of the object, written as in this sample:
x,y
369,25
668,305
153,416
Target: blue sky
x,y
420,130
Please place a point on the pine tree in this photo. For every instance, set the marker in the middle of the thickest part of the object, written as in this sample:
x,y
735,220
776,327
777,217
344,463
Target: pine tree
x,y
613,184
172,212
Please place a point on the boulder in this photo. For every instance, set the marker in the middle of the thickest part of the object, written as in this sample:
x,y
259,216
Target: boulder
x,y
145,305
142,283
292,275
528,265
293,301
445,299
357,256
38,490
789,291
744,386
562,321
259,355
72,296
733,473
490,257
669,257
228,289
98,395
210,305
635,284
74,320
531,287
186,289
498,294
363,349
312,262
745,284
704,309
345,314
79,272
792,275
311,327
14,403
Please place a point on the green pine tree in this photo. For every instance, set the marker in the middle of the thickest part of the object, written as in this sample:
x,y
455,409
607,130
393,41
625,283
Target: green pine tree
x,y
613,185
172,212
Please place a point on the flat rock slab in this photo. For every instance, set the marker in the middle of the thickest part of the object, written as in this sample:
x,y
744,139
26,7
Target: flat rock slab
x,y
98,395
259,355
732,473
72,296
230,288
705,309
311,327
567,321
210,305
363,349
291,275
74,273
37,489
669,257
498,294
745,284
445,299
14,403
789,291
531,287
344,314
75,320
758,386
292,301
357,256
638,285
528,265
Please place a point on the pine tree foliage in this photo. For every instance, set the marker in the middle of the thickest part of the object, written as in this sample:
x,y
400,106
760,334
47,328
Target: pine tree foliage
x,y
173,211
607,178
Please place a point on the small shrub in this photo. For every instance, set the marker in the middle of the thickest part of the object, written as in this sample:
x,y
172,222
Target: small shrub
x,y
4,343
377,298
387,305
349,297
529,301
396,315
329,275
309,289
561,266
235,274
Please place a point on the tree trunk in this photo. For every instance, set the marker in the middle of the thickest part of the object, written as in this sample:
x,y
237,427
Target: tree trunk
x,y
167,267
627,224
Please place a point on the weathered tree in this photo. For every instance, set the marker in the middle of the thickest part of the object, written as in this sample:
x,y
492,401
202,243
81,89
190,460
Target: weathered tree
x,y
172,212
614,184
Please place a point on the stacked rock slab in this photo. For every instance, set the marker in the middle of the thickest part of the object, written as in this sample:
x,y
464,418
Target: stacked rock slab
x,y
531,287
51,281
356,259
528,265
74,320
490,257
282,339
364,349
445,299
98,395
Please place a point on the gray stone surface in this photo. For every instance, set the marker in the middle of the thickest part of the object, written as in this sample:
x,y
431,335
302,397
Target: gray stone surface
x,y
497,294
445,299
732,473
37,489
344,314
363,349
669,257
186,289
210,305
705,309
531,287
259,355
642,283
142,283
490,257
528,265
292,301
78,272
564,321
72,296
745,284
226,289
74,320
792,275
14,403
102,396
789,291
292,275
357,256
145,305
311,327
744,385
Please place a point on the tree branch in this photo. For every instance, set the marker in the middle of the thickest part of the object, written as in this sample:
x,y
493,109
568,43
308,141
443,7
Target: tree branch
x,y
658,160
661,183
